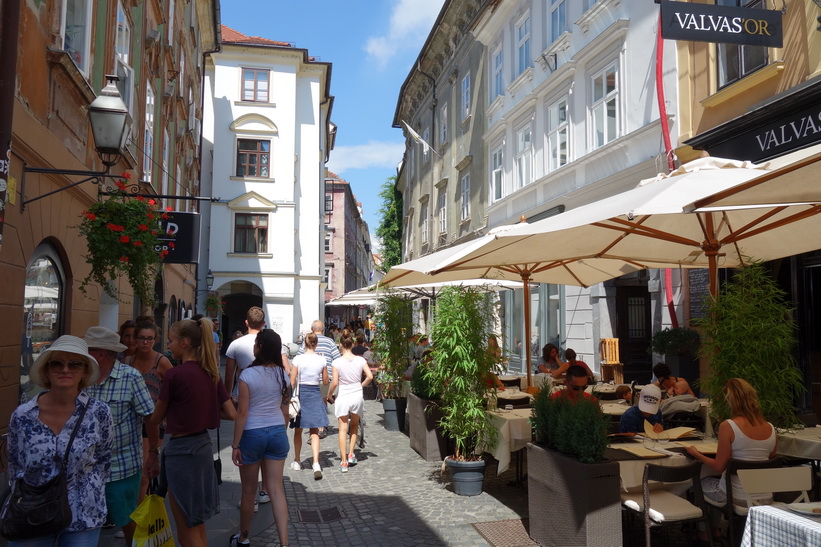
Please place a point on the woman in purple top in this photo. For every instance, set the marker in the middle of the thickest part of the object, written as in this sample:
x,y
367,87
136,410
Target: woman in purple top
x,y
192,400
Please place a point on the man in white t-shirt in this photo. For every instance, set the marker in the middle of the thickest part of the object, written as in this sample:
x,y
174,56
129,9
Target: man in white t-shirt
x,y
240,353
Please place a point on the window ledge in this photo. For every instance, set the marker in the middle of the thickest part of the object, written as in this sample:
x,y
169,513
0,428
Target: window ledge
x,y
518,84
250,255
593,11
746,83
255,103
252,179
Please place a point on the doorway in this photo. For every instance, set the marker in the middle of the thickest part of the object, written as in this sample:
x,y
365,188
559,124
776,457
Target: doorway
x,y
634,332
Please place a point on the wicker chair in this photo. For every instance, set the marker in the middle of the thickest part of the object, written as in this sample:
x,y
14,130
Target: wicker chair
x,y
662,508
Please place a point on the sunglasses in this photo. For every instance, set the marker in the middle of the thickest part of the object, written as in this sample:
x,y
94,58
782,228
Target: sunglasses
x,y
578,388
59,366
145,338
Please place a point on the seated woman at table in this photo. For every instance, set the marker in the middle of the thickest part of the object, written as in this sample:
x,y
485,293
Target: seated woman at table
x,y
550,358
570,355
746,436
632,421
667,382
681,401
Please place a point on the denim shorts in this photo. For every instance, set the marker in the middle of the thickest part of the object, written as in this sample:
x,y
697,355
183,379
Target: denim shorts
x,y
270,443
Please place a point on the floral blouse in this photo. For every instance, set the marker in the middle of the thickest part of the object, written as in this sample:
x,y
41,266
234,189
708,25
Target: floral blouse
x,y
35,453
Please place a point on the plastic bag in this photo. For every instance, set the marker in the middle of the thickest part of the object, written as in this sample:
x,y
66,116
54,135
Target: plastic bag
x,y
153,525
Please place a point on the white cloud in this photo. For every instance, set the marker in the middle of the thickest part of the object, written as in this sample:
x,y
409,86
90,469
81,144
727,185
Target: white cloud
x,y
411,22
364,156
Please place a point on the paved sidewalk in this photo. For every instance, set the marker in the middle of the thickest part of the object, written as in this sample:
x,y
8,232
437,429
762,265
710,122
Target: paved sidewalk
x,y
391,497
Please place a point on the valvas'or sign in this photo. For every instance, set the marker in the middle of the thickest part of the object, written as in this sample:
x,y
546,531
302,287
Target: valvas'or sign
x,y
723,24
180,236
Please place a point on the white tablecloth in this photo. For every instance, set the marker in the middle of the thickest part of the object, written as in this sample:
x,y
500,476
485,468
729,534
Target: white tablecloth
x,y
615,408
631,472
769,525
514,433
801,443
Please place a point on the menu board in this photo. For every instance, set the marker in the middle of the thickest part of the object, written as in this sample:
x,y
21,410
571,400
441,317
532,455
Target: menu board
x,y
699,292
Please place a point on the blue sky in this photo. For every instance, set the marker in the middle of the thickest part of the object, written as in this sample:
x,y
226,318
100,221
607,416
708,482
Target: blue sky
x,y
372,45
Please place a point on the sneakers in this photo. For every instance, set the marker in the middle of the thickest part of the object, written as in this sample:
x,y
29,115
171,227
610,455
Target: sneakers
x,y
256,506
108,523
322,434
343,467
120,534
263,497
318,471
296,466
234,541
351,459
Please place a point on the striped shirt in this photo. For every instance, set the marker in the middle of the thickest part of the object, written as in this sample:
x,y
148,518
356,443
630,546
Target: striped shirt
x,y
125,394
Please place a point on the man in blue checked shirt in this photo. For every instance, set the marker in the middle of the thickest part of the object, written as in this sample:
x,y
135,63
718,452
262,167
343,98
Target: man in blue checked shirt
x,y
123,389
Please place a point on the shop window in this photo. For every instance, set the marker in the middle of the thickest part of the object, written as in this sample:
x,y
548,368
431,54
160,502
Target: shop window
x,y
736,61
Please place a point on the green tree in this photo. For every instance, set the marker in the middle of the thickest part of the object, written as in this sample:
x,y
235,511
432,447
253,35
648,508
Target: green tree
x,y
389,230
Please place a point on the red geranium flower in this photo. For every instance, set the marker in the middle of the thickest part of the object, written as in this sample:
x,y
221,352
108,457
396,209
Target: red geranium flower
x,y
138,243
124,239
126,175
171,244
143,228
120,185
152,202
123,258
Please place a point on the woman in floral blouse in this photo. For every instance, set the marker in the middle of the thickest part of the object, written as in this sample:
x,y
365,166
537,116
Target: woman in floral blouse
x,y
39,432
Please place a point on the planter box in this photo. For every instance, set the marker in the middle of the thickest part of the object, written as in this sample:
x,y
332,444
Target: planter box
x,y
582,498
426,437
395,413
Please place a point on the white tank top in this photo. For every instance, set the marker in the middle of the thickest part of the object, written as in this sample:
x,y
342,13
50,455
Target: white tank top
x,y
751,450
310,367
265,387
350,373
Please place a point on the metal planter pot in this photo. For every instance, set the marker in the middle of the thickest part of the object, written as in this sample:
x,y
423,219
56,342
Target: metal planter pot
x,y
468,477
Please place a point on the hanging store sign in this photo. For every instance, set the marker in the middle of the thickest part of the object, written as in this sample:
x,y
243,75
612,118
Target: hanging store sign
x,y
721,24
180,236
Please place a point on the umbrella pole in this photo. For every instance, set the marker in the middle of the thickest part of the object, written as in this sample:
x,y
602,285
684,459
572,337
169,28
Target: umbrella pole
x,y
526,281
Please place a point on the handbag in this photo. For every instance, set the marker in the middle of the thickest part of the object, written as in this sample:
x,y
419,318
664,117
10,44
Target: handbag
x,y
292,400
218,461
35,511
153,525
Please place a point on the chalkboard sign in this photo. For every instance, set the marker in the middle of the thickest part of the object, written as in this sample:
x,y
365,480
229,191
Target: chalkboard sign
x,y
699,292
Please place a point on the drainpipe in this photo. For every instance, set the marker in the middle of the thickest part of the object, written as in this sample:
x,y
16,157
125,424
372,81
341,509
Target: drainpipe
x,y
8,84
432,143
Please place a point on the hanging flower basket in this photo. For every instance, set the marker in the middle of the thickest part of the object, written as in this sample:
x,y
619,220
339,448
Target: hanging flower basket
x,y
122,236
213,306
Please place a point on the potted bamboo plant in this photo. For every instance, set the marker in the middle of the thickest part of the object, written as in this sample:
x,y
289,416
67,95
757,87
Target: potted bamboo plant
x,y
394,322
463,366
568,472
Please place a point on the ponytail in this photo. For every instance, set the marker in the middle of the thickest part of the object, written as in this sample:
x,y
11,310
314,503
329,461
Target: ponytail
x,y
201,335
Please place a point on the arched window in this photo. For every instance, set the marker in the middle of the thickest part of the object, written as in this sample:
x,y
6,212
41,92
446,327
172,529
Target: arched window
x,y
43,311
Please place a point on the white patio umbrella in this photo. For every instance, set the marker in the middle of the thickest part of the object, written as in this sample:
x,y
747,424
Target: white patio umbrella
x,y
369,295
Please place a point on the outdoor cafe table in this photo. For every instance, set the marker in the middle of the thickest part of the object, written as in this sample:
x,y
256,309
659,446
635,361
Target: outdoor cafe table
x,y
631,467
801,443
617,408
535,379
515,431
773,525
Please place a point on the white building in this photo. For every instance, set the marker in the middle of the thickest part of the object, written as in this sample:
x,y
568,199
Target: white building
x,y
266,137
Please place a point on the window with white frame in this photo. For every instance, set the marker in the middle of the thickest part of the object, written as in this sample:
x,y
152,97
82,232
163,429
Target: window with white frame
x,y
464,197
253,158
558,19
557,134
523,46
604,110
122,60
443,124
442,210
496,175
250,233
498,74
426,150
76,32
255,84
328,278
329,242
466,96
736,61
524,157
148,136
423,223
329,202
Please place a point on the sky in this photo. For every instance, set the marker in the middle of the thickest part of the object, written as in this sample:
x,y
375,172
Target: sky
x,y
372,45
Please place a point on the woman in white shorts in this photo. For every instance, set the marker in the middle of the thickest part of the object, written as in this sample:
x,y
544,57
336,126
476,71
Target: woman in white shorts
x,y
347,374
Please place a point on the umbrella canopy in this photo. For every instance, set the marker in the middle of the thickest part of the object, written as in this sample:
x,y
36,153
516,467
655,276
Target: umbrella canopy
x,y
369,295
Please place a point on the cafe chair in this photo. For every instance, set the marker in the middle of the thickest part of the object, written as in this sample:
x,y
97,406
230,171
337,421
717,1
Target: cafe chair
x,y
773,481
660,507
612,369
733,511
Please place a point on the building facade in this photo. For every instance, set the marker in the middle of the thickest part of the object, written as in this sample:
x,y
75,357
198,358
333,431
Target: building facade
x,y
267,134
65,48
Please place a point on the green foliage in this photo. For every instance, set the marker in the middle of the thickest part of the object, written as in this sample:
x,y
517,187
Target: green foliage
x,y
678,341
394,324
751,335
575,427
121,234
463,365
421,385
389,230
213,305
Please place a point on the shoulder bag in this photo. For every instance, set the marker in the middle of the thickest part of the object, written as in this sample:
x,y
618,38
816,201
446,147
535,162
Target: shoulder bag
x,y
36,511
291,399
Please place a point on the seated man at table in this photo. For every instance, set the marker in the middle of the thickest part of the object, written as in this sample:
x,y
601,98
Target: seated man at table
x,y
576,381
632,421
682,401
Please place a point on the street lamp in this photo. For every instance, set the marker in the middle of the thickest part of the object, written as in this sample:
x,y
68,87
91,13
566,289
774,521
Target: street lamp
x,y
209,280
110,126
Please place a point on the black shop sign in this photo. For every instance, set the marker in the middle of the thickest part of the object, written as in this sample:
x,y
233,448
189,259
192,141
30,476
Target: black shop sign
x,y
721,24
180,237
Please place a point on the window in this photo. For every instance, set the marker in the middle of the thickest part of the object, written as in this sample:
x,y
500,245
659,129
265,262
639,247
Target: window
x,y
328,278
426,150
255,85
523,46
557,129
76,33
496,177
423,223
166,161
558,19
736,61
464,187
498,78
466,96
329,202
328,242
170,24
443,125
123,56
148,137
605,106
524,157
442,208
250,233
252,158
412,160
